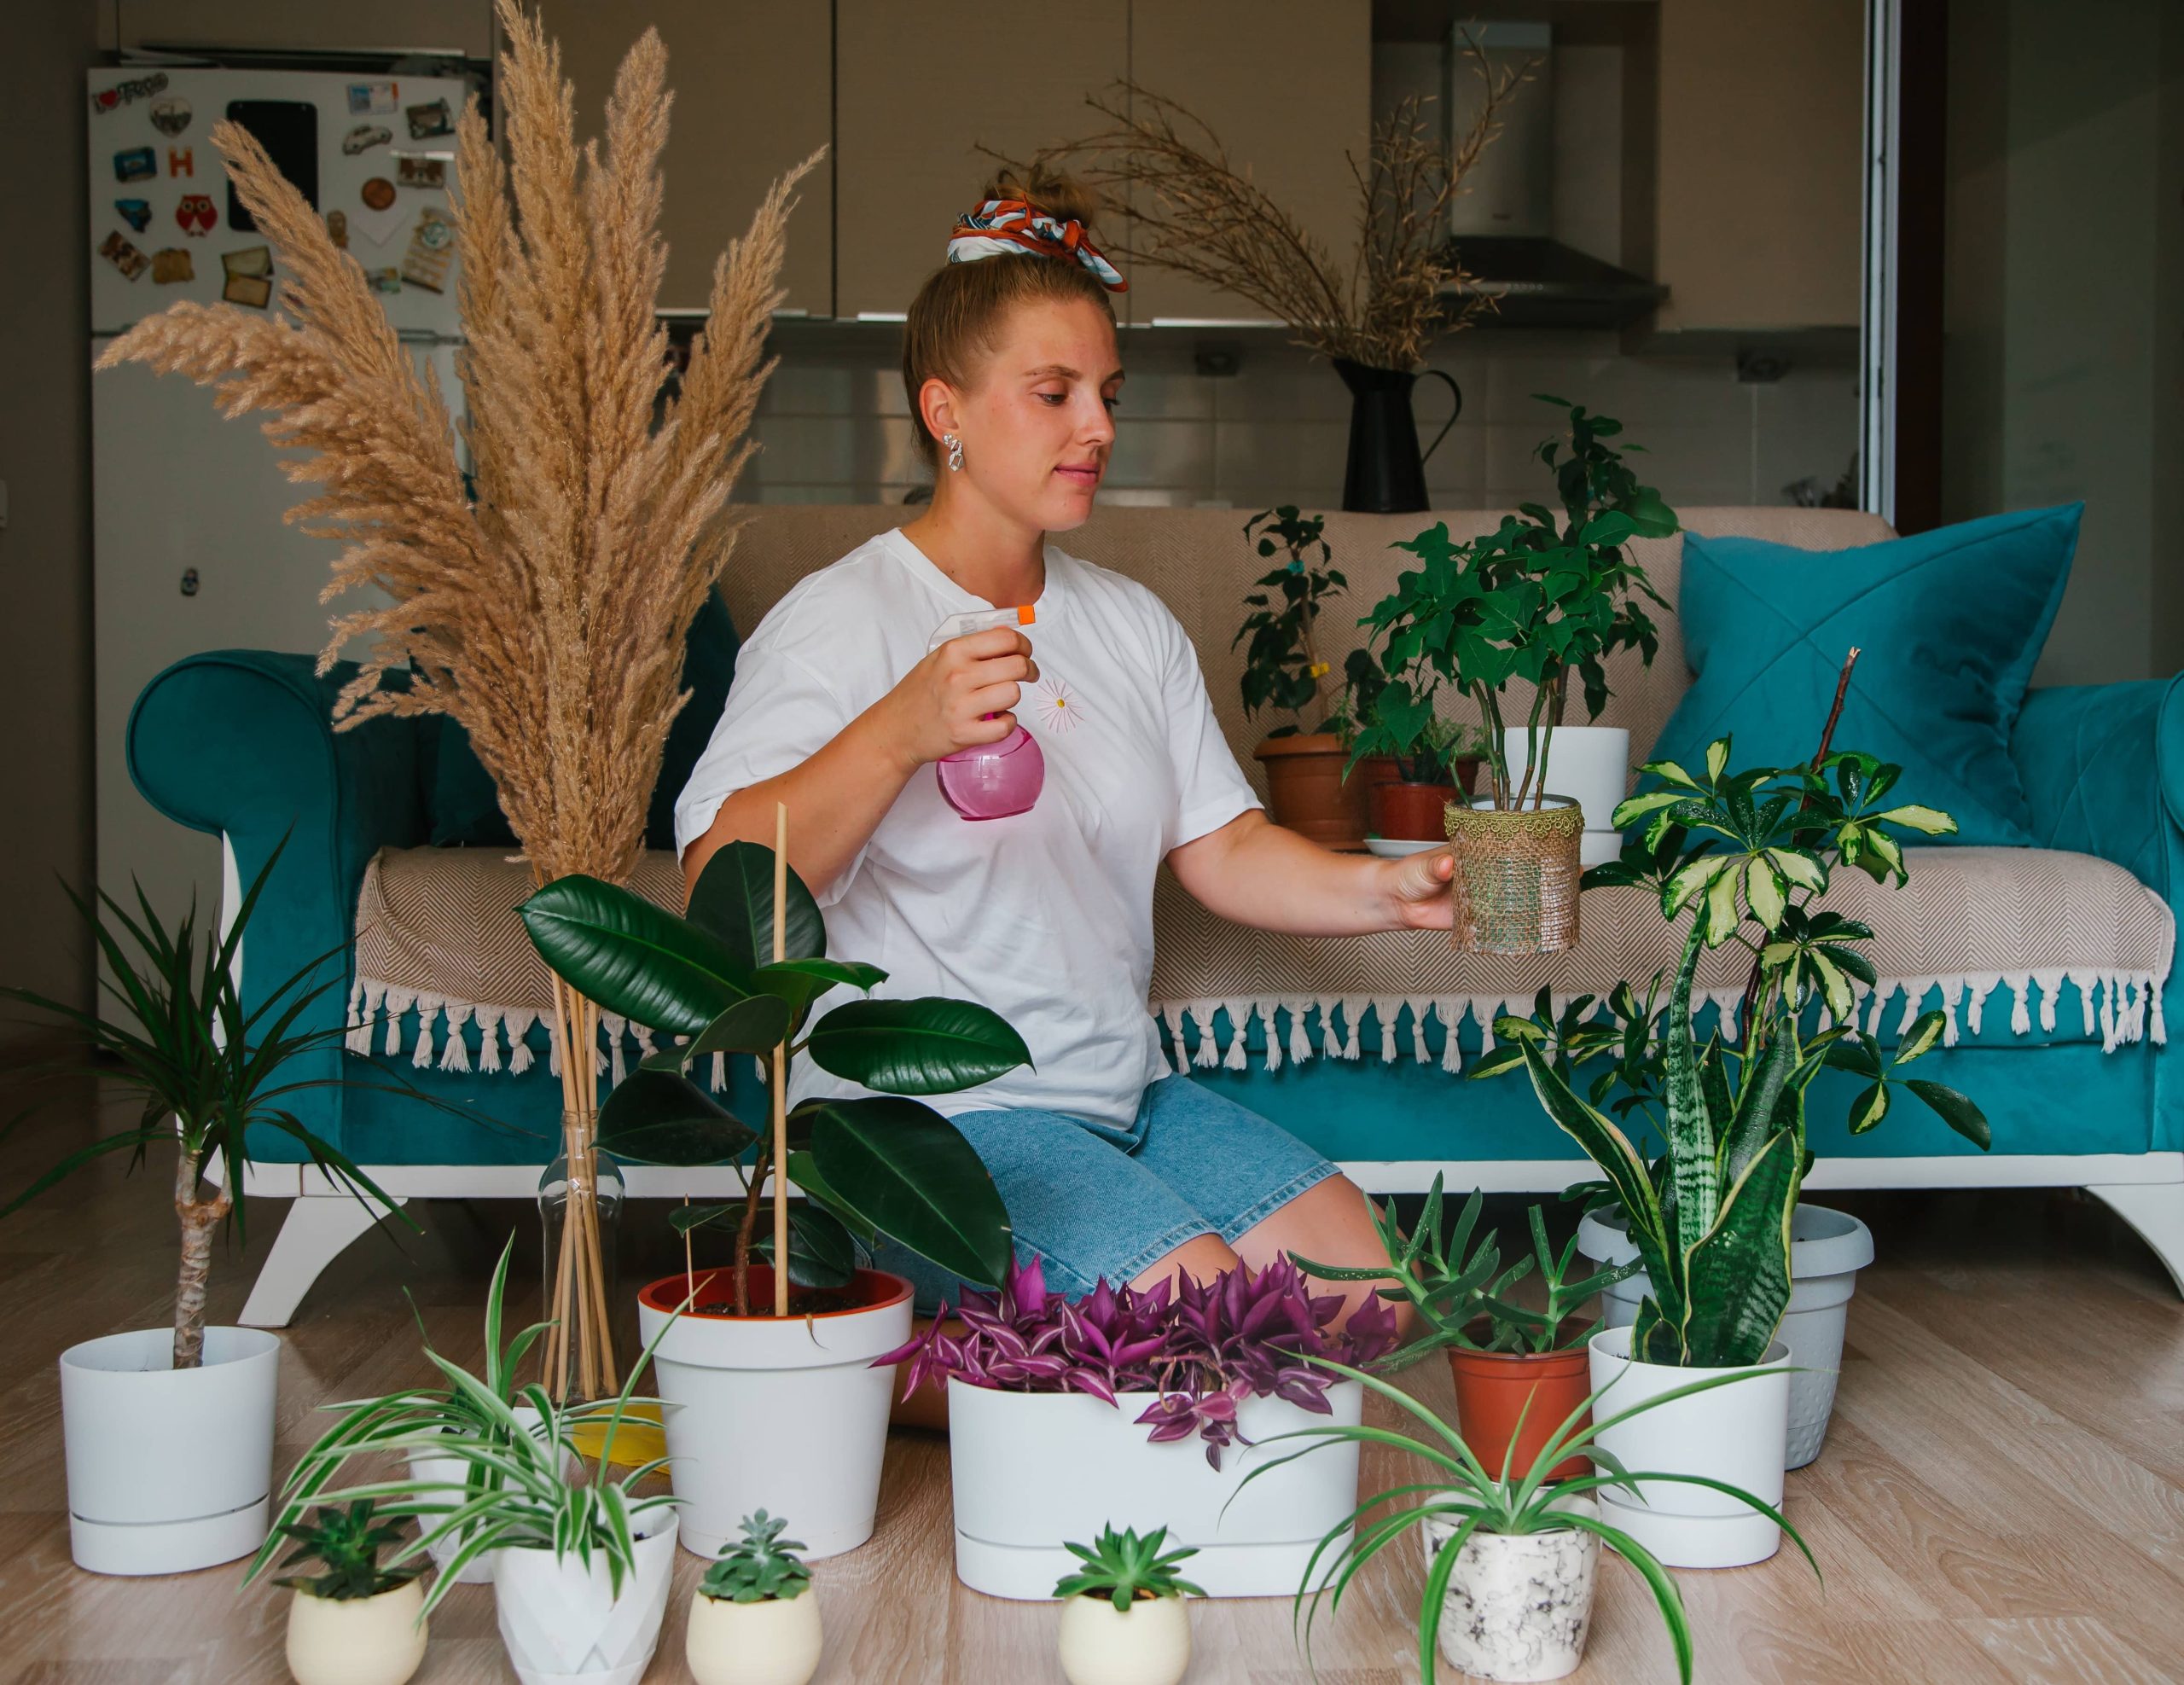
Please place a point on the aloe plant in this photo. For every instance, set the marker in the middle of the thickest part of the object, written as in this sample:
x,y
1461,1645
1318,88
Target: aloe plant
x,y
881,1164
1123,1568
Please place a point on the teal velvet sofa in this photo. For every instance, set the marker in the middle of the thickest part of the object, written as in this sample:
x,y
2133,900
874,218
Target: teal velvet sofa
x,y
2052,964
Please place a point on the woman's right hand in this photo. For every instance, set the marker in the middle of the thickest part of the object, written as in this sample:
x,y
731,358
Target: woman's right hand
x,y
961,694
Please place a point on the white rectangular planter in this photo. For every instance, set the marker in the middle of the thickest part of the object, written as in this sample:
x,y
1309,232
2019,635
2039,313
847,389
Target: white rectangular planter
x,y
1032,1470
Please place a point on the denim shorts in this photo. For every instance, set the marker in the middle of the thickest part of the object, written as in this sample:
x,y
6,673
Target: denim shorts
x,y
1091,1202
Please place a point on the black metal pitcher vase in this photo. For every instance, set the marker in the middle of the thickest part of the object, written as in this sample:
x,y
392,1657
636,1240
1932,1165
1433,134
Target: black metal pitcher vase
x,y
1387,471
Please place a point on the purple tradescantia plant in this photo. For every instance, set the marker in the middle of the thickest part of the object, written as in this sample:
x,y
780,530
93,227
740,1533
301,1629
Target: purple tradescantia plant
x,y
1203,1348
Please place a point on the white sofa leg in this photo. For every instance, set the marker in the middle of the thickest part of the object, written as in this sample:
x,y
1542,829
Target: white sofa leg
x,y
2155,1210
317,1229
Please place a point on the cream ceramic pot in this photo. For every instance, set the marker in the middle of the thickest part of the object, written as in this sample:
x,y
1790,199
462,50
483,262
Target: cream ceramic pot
x,y
1149,1643
361,1641
775,1641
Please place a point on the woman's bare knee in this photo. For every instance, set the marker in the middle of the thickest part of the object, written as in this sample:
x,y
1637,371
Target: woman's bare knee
x,y
1201,1257
1330,1222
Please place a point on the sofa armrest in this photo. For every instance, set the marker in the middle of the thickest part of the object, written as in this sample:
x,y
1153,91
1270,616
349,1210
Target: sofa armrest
x,y
2102,767
241,742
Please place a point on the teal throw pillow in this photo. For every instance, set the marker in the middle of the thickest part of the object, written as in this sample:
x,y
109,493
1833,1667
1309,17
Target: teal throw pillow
x,y
1949,623
466,808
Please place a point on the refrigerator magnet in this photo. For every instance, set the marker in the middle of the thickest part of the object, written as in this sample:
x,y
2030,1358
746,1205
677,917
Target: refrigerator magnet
x,y
384,280
124,256
427,120
137,212
126,93
364,137
170,263
250,276
171,116
337,229
378,193
196,214
181,160
373,99
431,250
416,169
135,164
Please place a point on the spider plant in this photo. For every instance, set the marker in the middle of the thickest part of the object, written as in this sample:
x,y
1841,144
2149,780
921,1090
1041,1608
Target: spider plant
x,y
1478,1501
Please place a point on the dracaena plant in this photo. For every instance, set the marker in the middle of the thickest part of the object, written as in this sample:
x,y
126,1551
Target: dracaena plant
x,y
1543,599
1743,857
1282,667
883,1163
1203,1348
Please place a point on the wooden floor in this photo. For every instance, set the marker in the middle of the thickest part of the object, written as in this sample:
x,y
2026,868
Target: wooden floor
x,y
2002,1498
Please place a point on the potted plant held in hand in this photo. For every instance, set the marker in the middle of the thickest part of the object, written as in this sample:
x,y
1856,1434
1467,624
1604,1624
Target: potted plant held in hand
x,y
753,1620
169,1431
772,1400
355,1623
1123,1617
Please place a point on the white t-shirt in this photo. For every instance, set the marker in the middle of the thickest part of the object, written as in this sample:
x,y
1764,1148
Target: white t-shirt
x,y
1046,917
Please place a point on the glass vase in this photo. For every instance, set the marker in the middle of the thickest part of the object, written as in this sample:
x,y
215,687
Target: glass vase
x,y
580,1212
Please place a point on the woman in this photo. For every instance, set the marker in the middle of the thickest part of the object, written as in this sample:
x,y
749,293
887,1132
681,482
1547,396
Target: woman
x,y
1109,1165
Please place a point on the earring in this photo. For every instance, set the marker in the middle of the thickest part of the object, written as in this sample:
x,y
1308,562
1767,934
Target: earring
x,y
954,452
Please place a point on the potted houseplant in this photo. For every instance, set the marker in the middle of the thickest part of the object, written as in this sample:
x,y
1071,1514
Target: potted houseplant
x,y
1542,601
581,1561
756,1346
1050,1401
169,1431
355,1623
1519,1370
753,1620
1307,790
1710,837
1511,1559
1123,1617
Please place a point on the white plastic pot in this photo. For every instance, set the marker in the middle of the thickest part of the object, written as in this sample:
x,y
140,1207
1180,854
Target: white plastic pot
x,y
1149,1643
1733,1434
1827,1249
561,1620
1591,763
168,1469
454,1470
786,1416
773,1641
1518,1606
358,1640
1032,1469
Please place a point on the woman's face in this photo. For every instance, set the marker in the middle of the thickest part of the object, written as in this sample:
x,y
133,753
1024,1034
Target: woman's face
x,y
1037,423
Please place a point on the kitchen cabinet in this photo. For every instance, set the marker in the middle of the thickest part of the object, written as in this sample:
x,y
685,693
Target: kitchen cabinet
x,y
1758,179
920,90
753,95
1287,85
464,27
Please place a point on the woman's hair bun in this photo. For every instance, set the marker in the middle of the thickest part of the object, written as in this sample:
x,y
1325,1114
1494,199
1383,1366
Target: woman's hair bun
x,y
1049,190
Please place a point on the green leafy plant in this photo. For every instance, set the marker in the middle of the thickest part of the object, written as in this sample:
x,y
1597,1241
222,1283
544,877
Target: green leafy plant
x,y
347,1543
1541,600
1454,1284
884,1163
1282,668
526,1486
1462,1491
1745,857
760,1567
203,1070
1124,1568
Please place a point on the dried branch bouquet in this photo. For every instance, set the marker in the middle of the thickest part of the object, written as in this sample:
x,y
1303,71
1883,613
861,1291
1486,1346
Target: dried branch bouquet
x,y
547,614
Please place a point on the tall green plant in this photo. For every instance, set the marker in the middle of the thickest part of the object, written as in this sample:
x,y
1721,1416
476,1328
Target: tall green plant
x,y
1282,667
884,1163
1541,599
202,1069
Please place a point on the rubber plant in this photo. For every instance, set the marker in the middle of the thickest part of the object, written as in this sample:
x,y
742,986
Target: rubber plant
x,y
1542,599
202,1070
1744,857
885,1163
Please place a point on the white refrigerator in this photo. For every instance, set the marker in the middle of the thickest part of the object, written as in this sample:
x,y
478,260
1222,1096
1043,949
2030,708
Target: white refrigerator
x,y
190,551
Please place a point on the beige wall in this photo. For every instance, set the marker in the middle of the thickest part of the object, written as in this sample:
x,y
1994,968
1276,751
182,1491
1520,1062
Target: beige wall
x,y
45,564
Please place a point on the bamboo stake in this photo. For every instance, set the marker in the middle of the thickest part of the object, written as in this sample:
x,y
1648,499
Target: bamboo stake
x,y
781,1069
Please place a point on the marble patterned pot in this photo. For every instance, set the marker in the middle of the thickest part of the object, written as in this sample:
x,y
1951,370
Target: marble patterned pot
x,y
1518,1606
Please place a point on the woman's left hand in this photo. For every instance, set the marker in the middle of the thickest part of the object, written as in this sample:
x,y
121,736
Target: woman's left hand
x,y
1418,890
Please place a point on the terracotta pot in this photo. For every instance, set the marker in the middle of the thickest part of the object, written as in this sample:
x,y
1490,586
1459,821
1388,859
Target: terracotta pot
x,y
1410,812
1465,768
1492,1388
1305,789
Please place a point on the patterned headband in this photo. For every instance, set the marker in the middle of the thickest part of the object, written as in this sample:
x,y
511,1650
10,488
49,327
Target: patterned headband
x,y
1008,225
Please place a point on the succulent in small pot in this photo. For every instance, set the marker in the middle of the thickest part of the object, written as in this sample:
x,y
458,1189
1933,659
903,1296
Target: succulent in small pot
x,y
356,1623
753,1618
1123,1617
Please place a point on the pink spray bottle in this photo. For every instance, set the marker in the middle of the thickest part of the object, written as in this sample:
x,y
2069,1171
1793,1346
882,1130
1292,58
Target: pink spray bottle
x,y
991,780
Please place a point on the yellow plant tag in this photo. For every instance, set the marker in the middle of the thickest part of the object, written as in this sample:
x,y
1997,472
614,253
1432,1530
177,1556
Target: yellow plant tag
x,y
1317,670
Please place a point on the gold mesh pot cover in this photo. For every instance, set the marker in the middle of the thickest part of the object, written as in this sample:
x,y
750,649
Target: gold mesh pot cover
x,y
1516,878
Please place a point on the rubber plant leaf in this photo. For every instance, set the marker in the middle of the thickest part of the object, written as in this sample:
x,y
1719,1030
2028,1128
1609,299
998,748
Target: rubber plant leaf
x,y
910,1171
930,1045
663,1118
632,958
804,1171
1738,1273
821,1253
752,1025
734,901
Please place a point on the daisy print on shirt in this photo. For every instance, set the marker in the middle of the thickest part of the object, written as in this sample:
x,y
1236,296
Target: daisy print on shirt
x,y
1055,707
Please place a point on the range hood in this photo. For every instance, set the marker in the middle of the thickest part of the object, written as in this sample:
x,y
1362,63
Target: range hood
x,y
1507,231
